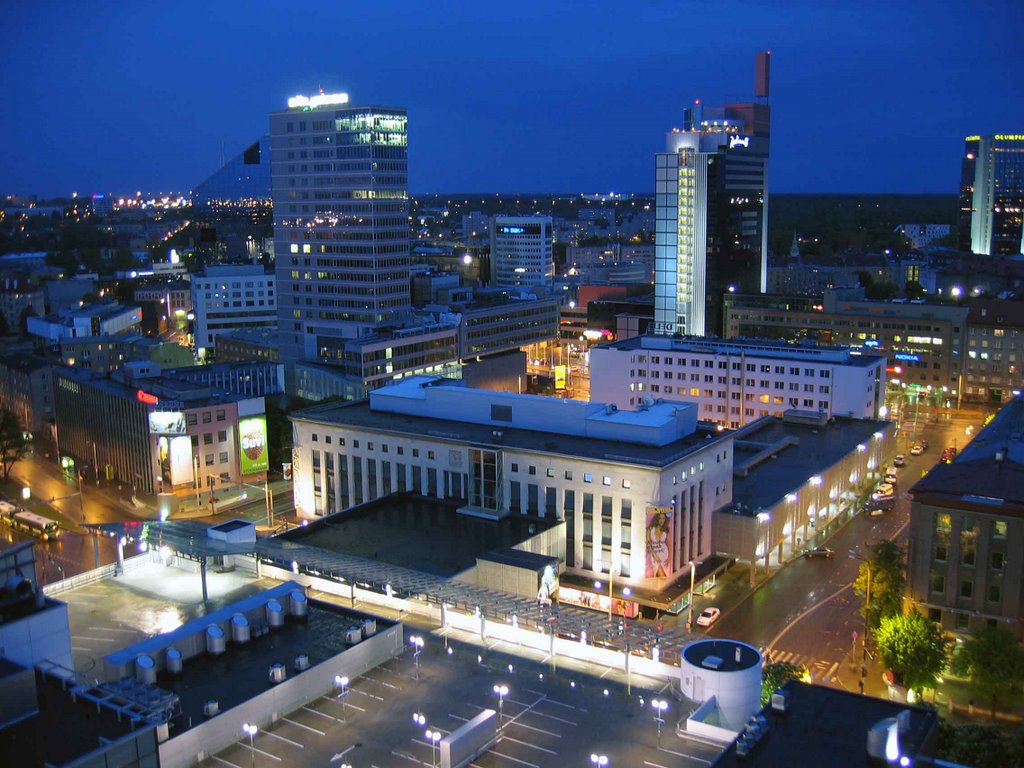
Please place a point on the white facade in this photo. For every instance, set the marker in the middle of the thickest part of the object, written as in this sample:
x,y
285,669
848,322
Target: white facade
x,y
96,320
635,489
228,298
521,251
921,235
734,383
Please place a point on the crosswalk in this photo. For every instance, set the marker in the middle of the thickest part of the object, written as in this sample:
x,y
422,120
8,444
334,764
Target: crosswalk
x,y
821,671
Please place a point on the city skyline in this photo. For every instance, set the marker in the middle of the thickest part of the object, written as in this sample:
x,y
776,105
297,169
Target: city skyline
x,y
507,100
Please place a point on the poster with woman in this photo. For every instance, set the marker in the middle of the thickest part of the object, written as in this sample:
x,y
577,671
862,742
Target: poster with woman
x,y
659,542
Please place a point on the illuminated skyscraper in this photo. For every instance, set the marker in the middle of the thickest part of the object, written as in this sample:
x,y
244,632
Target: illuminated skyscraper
x,y
341,228
992,195
711,212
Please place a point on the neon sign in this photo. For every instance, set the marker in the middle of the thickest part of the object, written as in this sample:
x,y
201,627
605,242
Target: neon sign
x,y
144,397
319,100
739,141
906,356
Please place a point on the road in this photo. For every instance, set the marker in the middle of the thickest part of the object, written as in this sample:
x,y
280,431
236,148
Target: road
x,y
807,613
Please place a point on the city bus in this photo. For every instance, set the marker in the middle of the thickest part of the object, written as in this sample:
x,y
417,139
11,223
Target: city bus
x,y
37,525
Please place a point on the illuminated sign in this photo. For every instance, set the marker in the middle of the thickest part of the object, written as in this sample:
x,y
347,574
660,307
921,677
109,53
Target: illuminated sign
x,y
181,460
739,141
597,601
144,397
512,230
320,100
166,423
871,343
1009,137
252,438
659,542
906,356
973,138
560,377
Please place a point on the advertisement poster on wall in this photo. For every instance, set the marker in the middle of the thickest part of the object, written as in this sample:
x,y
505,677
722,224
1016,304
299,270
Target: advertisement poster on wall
x,y
252,439
598,602
659,542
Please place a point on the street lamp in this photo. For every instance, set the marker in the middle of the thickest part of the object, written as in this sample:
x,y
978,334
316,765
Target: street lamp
x,y
599,759
417,644
659,705
342,682
867,625
250,730
502,692
433,737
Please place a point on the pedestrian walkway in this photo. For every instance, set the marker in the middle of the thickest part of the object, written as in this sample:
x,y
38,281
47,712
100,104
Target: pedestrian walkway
x,y
820,670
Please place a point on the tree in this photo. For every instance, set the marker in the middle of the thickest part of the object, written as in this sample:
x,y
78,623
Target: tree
x,y
882,290
13,445
913,647
775,675
994,662
886,564
983,746
913,289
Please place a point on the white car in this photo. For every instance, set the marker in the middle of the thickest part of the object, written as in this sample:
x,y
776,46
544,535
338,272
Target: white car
x,y
900,460
917,450
708,617
891,478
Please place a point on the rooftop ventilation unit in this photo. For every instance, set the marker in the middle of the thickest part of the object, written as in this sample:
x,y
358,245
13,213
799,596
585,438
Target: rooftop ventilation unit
x,y
277,674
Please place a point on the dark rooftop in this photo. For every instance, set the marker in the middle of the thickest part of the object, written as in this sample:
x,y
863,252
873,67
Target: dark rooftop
x,y
817,449
988,474
828,727
725,653
433,537
241,672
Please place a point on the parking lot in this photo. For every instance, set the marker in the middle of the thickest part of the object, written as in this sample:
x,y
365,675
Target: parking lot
x,y
552,717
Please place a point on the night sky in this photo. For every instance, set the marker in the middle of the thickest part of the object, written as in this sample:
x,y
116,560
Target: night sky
x,y
506,97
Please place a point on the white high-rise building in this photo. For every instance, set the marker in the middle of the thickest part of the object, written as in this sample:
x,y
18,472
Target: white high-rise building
x,y
521,251
341,230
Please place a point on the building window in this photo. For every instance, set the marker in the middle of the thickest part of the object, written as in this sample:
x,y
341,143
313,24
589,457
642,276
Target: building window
x,y
938,582
999,529
963,621
995,593
550,472
222,436
207,417
626,483
531,470
568,474
515,467
209,460
223,458
220,414
587,477
606,480
966,588
208,438
191,419
997,559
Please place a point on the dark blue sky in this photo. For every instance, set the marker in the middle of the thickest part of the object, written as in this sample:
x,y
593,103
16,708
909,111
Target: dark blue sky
x,y
503,97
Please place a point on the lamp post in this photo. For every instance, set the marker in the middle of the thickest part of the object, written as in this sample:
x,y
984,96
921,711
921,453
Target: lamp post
x,y
693,576
867,624
417,643
659,705
501,691
342,682
250,730
433,737
599,759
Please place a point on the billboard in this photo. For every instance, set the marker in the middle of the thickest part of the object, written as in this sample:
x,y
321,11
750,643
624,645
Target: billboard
x,y
252,440
659,542
166,423
560,377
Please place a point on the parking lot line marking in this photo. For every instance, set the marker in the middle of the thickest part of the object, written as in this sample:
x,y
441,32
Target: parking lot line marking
x,y
349,705
513,721
552,701
653,765
226,762
94,639
683,754
262,752
407,756
303,725
322,714
282,738
380,682
554,717
506,737
459,717
80,650
364,693
514,759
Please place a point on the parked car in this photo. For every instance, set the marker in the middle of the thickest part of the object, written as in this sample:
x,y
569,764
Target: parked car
x,y
923,444
917,450
891,478
900,460
885,490
948,455
818,552
708,617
